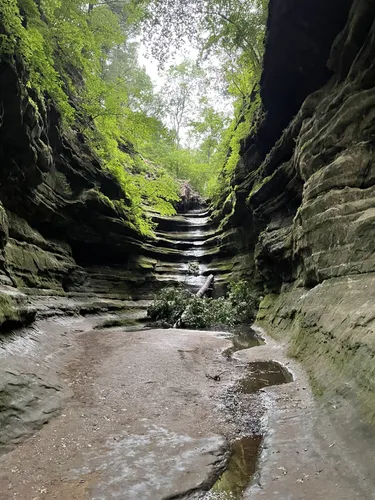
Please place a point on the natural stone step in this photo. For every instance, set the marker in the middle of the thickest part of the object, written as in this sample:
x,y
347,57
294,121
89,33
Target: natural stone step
x,y
185,245
180,223
192,235
196,213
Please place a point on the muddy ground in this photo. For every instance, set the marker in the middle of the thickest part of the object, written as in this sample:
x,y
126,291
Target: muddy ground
x,y
138,415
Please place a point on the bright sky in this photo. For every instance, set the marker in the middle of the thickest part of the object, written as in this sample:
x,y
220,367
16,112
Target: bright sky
x,y
151,65
157,76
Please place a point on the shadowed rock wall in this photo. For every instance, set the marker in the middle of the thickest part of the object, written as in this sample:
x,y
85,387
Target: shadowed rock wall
x,y
59,229
51,189
306,186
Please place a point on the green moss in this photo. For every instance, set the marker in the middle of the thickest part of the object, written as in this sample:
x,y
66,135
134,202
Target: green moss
x,y
7,308
337,367
265,305
32,261
31,266
4,231
20,229
268,301
105,200
146,263
12,314
259,186
228,210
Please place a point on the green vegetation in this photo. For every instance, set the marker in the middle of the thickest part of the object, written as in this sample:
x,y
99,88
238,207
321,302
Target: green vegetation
x,y
116,322
238,307
84,58
229,34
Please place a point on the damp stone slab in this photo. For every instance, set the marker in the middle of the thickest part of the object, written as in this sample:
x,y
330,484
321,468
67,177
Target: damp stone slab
x,y
139,422
154,465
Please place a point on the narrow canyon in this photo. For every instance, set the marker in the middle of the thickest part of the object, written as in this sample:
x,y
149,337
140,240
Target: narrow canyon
x,y
99,402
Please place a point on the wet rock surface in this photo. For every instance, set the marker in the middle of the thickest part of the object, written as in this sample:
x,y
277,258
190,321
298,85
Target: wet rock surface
x,y
239,470
303,455
264,374
132,415
298,221
27,402
139,418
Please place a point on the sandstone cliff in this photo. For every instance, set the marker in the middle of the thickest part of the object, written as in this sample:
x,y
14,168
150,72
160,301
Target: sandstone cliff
x,y
51,192
60,232
305,187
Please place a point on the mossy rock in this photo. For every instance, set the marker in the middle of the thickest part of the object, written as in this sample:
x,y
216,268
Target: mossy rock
x,y
32,267
13,313
4,231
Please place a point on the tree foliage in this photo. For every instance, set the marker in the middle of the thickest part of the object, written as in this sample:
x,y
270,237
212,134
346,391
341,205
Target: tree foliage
x,y
84,58
230,24
230,33
78,55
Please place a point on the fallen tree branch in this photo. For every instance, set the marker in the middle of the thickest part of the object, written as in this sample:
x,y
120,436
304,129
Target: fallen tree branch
x,y
216,378
204,289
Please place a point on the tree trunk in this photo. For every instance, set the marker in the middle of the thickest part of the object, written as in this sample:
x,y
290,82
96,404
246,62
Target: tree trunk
x,y
202,291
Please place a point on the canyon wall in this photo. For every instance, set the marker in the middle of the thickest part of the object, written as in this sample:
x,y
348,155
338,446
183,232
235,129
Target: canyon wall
x,y
305,187
54,194
62,235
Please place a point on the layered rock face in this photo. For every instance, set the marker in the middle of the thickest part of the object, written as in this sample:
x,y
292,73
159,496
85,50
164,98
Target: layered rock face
x,y
53,210
61,235
300,220
305,186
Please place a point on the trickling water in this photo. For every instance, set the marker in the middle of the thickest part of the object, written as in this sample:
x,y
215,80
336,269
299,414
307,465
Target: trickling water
x,y
182,241
197,221
245,451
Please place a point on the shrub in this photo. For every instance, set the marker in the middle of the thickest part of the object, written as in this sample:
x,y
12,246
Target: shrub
x,y
169,305
244,300
238,307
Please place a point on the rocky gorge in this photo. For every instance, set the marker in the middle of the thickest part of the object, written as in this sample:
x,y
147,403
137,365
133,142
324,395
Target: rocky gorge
x,y
298,221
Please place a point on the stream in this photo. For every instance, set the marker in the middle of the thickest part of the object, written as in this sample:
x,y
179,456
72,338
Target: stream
x,y
245,451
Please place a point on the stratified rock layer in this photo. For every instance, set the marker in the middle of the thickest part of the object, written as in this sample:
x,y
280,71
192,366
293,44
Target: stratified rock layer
x,y
305,187
300,219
